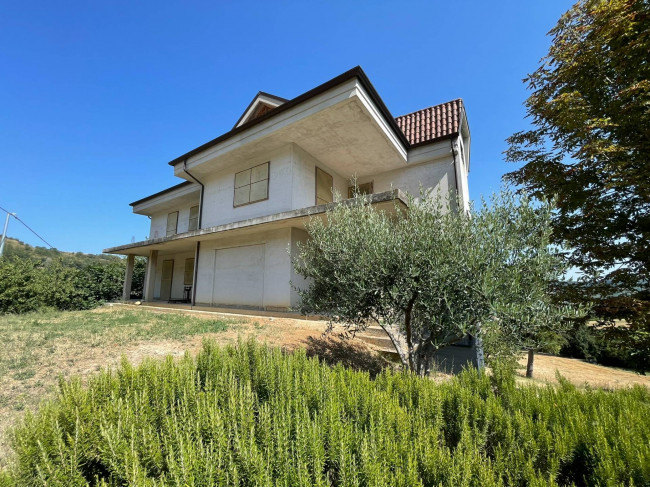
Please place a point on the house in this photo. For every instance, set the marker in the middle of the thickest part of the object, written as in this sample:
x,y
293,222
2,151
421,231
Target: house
x,y
225,236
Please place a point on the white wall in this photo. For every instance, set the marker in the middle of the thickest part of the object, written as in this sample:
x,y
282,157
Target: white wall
x,y
435,176
219,191
297,235
277,268
304,179
159,222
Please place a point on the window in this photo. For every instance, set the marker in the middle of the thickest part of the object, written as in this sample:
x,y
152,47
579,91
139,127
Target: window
x,y
252,185
194,219
188,275
365,188
324,184
172,223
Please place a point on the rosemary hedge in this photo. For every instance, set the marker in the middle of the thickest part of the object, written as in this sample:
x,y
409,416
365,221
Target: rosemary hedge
x,y
252,415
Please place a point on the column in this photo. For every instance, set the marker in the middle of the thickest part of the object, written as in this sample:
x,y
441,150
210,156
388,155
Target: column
x,y
128,277
150,276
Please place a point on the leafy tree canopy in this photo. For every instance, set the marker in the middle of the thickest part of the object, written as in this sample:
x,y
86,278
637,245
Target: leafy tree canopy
x,y
589,146
430,275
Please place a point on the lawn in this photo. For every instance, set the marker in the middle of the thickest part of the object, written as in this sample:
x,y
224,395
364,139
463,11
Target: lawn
x,y
38,348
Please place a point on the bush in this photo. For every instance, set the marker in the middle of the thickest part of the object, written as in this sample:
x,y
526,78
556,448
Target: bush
x,y
251,415
625,346
27,284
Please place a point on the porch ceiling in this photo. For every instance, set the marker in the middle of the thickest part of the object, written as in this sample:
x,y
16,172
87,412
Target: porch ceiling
x,y
295,218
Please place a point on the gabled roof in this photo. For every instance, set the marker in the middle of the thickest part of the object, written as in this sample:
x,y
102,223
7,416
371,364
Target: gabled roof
x,y
261,99
340,79
433,123
164,191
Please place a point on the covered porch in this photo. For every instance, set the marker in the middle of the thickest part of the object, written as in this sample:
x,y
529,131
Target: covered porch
x,y
239,265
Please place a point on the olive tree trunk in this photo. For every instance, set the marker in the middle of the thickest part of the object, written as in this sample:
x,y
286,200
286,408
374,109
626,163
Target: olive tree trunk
x,y
529,365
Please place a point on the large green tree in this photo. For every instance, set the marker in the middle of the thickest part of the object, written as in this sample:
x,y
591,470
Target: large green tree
x,y
589,145
430,275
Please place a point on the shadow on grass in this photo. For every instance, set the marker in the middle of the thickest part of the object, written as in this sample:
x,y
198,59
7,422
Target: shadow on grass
x,y
333,351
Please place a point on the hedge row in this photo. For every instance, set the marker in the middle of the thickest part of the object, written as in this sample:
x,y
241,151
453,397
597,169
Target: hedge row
x,y
27,284
251,415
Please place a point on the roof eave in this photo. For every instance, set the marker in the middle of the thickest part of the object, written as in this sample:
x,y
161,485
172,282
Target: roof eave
x,y
356,72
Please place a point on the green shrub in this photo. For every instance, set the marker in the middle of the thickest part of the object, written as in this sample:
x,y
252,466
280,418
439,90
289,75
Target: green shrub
x,y
28,284
251,415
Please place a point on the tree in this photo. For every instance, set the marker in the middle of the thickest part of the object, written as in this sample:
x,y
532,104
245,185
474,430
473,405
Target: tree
x,y
590,146
430,275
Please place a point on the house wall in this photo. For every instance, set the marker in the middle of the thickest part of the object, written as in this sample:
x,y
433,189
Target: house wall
x,y
276,268
298,235
435,177
303,187
158,227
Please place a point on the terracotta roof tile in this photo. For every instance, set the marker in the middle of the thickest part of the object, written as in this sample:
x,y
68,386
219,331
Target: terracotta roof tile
x,y
432,123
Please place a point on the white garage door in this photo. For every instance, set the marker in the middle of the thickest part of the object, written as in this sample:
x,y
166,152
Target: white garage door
x,y
239,276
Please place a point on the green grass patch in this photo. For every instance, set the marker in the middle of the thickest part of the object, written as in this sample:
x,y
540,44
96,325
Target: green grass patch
x,y
252,415
30,338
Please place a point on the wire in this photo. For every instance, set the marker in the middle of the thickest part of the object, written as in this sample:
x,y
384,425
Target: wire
x,y
27,226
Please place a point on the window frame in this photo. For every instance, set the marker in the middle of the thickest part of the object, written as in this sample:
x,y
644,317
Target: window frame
x,y
191,272
196,219
235,187
369,183
167,234
316,186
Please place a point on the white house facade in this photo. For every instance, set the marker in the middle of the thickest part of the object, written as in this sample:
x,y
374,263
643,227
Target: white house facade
x,y
226,235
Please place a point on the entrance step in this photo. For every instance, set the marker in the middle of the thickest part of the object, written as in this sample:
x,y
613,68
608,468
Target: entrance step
x,y
378,339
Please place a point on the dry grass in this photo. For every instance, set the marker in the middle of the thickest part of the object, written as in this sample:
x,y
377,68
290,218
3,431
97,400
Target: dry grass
x,y
38,348
582,373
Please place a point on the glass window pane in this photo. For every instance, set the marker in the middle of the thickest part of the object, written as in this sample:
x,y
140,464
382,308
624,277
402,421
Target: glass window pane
x,y
242,178
242,195
259,191
258,173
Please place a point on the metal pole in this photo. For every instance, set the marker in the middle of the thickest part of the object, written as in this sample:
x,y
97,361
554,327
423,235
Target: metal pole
x,y
4,232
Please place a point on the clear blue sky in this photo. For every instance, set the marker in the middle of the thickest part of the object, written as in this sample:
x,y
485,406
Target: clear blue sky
x,y
97,97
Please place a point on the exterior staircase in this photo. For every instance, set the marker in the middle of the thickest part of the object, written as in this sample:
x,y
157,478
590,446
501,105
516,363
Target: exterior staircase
x,y
378,339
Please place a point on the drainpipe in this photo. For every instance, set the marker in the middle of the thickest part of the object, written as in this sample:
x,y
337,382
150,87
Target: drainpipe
x,y
453,154
198,244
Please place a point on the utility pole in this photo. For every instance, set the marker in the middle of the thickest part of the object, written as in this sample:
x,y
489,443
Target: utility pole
x,y
4,232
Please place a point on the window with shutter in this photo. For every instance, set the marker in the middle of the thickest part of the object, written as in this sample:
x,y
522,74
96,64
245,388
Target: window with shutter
x,y
365,188
194,219
324,184
172,223
252,185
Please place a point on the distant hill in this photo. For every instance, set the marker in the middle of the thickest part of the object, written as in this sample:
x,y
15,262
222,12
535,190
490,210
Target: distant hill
x,y
17,248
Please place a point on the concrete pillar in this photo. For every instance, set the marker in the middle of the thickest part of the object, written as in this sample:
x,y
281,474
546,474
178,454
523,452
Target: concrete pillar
x,y
128,277
150,276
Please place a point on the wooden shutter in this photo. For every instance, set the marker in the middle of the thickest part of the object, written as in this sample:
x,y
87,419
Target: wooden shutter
x,y
365,188
188,276
172,223
324,184
194,219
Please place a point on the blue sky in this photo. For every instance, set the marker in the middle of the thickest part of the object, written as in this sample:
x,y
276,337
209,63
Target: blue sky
x,y
97,97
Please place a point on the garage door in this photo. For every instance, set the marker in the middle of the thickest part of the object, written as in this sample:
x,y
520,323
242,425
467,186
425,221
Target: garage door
x,y
239,276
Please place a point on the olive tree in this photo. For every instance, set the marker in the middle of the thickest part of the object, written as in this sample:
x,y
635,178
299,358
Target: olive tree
x,y
429,275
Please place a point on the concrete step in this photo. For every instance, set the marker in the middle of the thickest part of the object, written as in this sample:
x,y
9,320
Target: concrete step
x,y
375,331
381,342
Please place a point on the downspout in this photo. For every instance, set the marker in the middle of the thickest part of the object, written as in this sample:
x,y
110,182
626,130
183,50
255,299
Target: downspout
x,y
198,244
453,154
